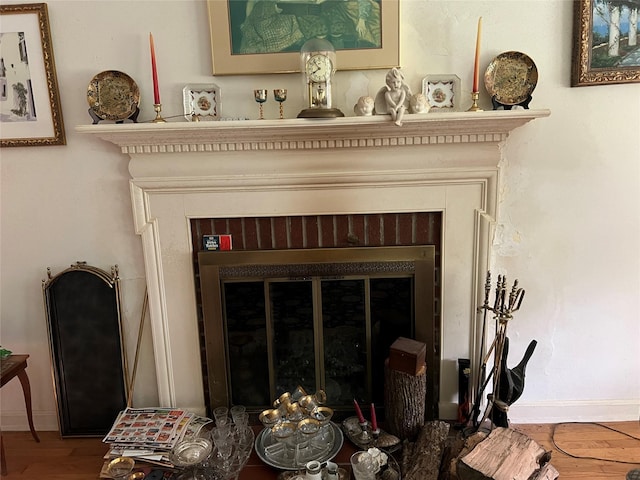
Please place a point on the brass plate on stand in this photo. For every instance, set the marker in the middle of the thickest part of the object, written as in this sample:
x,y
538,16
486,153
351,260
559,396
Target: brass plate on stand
x,y
511,77
113,95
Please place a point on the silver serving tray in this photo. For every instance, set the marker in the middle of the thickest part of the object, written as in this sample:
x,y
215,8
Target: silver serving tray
x,y
270,453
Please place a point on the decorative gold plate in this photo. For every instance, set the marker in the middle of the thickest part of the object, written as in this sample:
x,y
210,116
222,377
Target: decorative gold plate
x,y
511,77
113,95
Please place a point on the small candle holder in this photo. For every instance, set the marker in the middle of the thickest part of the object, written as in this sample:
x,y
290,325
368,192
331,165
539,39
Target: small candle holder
x,y
474,99
157,107
365,436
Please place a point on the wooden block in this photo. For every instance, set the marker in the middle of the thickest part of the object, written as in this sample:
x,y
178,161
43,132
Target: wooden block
x,y
407,355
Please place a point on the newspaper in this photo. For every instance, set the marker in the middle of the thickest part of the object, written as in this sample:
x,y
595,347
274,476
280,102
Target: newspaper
x,y
151,433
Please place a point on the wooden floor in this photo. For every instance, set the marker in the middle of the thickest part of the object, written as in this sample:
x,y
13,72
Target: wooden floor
x,y
75,459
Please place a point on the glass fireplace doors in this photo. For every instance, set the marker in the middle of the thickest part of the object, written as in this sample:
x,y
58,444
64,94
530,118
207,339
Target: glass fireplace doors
x,y
321,318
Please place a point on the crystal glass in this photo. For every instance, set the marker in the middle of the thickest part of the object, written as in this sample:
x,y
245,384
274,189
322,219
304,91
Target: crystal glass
x,y
190,454
223,441
232,446
364,466
280,94
269,417
323,415
283,432
260,96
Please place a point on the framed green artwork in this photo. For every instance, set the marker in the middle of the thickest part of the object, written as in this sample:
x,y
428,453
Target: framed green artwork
x,y
265,36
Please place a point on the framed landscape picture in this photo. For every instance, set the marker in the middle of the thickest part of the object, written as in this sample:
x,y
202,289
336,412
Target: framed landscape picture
x,y
265,36
606,46
30,113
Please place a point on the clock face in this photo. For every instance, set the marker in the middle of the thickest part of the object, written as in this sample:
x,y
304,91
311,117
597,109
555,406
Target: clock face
x,y
319,68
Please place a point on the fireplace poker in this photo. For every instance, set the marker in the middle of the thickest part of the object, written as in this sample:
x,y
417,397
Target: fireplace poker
x,y
145,304
482,383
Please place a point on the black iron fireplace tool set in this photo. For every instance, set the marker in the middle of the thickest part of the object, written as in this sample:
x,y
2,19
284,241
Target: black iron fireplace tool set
x,y
508,383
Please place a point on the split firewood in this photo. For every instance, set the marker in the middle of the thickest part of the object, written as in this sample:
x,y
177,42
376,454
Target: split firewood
x,y
469,444
505,454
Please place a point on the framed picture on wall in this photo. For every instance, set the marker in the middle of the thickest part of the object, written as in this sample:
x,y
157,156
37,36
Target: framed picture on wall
x,y
606,46
265,36
30,113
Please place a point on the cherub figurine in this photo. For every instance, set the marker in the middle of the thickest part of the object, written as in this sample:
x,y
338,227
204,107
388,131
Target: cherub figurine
x,y
394,98
364,107
418,103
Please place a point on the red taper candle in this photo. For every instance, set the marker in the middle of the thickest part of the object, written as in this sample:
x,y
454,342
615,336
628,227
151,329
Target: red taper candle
x,y
154,72
359,412
374,421
476,64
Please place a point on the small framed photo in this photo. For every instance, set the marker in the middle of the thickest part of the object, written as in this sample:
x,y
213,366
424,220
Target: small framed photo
x,y
442,92
201,102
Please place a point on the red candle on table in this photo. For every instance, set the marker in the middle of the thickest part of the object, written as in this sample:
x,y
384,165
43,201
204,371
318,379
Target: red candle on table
x,y
476,64
374,421
154,72
359,412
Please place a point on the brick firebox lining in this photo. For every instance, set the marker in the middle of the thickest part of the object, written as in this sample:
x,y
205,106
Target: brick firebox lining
x,y
324,231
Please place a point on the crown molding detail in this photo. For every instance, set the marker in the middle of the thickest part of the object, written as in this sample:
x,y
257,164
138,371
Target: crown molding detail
x,y
313,134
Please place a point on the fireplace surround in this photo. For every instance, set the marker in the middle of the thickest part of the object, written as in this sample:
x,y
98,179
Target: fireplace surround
x,y
447,163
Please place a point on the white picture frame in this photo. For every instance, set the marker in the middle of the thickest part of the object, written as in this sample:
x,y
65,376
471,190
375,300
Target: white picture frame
x,y
201,102
442,92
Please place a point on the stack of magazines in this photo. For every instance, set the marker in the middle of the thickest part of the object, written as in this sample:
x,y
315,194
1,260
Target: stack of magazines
x,y
149,434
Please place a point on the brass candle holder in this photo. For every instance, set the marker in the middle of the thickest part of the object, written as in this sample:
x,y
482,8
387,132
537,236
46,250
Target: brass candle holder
x,y
157,107
474,105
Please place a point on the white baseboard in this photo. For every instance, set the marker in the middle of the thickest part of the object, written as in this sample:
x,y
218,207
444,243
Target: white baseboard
x,y
562,411
575,411
17,421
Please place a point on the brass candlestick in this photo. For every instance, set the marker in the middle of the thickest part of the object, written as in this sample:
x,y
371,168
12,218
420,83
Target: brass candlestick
x,y
474,106
158,108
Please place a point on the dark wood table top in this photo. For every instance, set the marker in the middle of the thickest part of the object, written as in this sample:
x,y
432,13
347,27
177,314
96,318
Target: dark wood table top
x,y
11,366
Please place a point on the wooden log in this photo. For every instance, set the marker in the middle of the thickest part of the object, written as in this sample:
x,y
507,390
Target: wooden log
x,y
404,403
427,452
469,444
504,455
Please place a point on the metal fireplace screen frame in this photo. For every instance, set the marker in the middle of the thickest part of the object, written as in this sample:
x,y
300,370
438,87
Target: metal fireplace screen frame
x,y
83,310
219,267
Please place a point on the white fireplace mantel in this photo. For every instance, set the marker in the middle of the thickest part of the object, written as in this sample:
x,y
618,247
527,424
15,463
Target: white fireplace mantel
x,y
444,162
295,134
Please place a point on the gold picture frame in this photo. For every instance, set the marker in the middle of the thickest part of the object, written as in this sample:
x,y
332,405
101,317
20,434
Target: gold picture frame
x,y
30,107
227,16
595,27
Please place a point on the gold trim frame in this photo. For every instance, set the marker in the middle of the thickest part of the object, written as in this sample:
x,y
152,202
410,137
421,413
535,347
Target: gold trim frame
x,y
583,73
30,24
226,63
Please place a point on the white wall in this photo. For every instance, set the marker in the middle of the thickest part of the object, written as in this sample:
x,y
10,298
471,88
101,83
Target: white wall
x,y
569,225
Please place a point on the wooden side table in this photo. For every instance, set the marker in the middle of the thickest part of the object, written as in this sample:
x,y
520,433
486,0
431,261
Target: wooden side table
x,y
16,366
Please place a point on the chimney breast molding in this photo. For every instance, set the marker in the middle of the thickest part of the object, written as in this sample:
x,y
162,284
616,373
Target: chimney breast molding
x,y
446,162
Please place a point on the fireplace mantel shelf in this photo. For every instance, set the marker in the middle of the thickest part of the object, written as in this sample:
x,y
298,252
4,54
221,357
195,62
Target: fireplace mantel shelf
x,y
305,134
